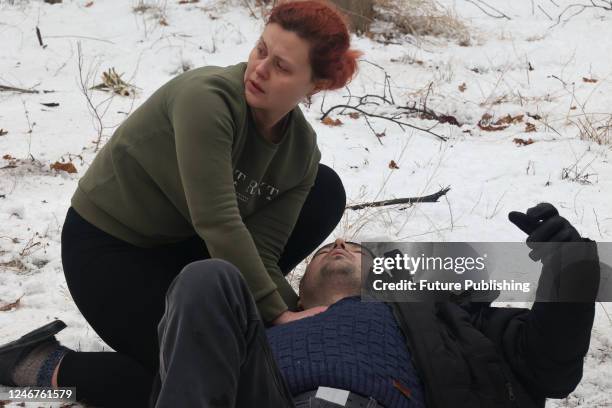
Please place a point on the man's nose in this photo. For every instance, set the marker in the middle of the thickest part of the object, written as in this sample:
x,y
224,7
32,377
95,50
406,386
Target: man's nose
x,y
339,242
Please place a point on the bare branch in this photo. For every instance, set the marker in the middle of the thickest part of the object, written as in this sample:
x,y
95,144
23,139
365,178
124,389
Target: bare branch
x,y
432,198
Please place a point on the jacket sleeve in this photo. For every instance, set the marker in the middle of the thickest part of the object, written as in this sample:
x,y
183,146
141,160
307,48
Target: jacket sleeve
x,y
272,225
203,126
546,345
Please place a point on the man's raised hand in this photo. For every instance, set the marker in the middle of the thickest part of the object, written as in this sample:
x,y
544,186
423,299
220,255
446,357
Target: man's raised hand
x,y
543,223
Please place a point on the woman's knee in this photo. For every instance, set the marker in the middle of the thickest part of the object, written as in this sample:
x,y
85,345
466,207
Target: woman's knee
x,y
331,182
329,195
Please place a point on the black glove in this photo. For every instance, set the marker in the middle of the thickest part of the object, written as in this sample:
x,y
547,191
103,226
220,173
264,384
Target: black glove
x,y
570,269
544,224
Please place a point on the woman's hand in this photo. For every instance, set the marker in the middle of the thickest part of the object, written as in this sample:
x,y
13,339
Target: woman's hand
x,y
288,316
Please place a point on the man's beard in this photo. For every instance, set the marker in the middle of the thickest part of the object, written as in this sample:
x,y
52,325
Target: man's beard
x,y
337,269
340,277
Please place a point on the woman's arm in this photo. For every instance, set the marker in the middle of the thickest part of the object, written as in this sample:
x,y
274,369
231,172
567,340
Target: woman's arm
x,y
204,129
271,227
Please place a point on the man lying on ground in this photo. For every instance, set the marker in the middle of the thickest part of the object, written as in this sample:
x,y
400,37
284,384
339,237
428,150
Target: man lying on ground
x,y
216,352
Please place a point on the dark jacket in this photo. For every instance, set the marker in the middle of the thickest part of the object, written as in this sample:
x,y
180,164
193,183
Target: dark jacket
x,y
470,354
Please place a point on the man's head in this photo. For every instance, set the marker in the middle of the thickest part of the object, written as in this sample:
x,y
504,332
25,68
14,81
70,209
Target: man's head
x,y
333,273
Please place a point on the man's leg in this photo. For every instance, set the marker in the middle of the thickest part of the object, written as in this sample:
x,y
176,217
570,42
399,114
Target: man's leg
x,y
213,348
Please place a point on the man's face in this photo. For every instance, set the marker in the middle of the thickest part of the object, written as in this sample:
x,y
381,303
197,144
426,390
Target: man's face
x,y
280,65
334,271
339,255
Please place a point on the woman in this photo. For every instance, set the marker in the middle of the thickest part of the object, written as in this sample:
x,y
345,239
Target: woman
x,y
219,162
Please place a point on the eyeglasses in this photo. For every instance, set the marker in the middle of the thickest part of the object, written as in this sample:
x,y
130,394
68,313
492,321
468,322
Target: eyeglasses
x,y
350,246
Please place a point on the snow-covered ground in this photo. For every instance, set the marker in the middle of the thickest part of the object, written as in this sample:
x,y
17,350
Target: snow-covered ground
x,y
521,65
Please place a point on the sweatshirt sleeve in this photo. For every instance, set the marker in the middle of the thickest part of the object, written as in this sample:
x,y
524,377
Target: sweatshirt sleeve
x,y
272,225
203,129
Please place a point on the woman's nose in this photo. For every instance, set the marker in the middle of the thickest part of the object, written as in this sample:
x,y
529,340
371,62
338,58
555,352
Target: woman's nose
x,y
261,69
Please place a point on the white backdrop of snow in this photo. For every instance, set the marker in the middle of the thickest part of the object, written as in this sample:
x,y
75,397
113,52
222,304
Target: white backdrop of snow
x,y
486,170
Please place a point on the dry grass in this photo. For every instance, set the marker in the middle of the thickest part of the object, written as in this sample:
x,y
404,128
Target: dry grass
x,y
595,127
423,18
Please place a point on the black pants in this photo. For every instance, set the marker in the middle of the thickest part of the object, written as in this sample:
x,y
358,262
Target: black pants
x,y
120,290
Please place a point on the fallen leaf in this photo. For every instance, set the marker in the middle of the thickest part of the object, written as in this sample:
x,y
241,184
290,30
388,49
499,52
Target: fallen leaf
x,y
67,167
188,1
7,157
529,66
9,306
485,124
89,4
354,115
530,127
3,132
50,104
572,108
509,119
163,22
522,142
393,165
591,80
448,119
462,87
331,122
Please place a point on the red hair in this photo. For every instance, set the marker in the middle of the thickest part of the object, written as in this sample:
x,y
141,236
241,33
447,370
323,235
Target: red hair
x,y
325,28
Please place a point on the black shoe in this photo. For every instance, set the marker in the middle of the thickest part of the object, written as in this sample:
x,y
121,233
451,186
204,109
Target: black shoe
x,y
12,352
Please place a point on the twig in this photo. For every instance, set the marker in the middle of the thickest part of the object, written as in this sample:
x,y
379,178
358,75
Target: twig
x,y
80,36
497,205
13,89
40,41
607,5
86,93
432,198
605,311
246,2
450,210
597,222
544,11
501,15
29,126
383,117
28,247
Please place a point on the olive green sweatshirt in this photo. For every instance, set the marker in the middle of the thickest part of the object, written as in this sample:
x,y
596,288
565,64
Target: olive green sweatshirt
x,y
190,161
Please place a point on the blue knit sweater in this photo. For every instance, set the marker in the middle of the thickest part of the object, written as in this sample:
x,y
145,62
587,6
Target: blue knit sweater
x,y
353,345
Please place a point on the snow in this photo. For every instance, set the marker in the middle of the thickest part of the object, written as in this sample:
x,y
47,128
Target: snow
x,y
488,173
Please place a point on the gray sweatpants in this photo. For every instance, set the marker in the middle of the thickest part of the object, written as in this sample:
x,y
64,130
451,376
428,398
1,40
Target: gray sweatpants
x,y
213,347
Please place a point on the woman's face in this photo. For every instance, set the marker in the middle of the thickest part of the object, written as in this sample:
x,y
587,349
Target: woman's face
x,y
279,64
